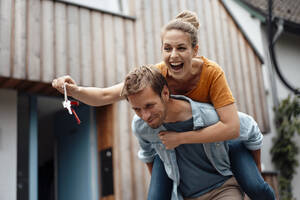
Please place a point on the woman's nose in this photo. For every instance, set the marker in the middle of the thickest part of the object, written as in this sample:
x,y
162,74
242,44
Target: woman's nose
x,y
174,53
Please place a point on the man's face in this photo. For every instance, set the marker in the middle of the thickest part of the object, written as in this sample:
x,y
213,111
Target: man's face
x,y
149,106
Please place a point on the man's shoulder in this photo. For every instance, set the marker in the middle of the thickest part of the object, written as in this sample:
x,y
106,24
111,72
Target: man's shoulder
x,y
204,114
138,125
194,103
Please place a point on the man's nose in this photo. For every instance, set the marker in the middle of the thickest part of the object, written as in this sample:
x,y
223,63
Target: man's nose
x,y
145,115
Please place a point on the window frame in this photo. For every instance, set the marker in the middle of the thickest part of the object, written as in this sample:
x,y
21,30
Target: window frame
x,y
124,8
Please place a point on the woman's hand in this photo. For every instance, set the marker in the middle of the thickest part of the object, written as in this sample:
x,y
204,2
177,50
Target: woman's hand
x,y
71,85
170,139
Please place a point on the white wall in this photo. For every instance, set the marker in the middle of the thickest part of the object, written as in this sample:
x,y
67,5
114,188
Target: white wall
x,y
8,144
288,57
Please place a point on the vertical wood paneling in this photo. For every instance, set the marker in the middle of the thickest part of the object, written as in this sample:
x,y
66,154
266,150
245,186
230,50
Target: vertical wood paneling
x,y
182,5
119,41
244,65
6,16
34,34
125,165
109,50
19,54
85,47
47,42
156,24
141,175
166,15
98,50
228,53
122,138
203,44
129,46
262,95
130,62
209,18
191,6
73,43
60,34
217,35
236,66
173,6
149,34
139,30
255,89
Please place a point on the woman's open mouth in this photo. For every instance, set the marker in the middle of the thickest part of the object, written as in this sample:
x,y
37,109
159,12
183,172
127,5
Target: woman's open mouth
x,y
176,66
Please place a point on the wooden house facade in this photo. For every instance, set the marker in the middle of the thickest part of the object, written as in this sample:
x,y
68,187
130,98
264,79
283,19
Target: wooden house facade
x,y
45,39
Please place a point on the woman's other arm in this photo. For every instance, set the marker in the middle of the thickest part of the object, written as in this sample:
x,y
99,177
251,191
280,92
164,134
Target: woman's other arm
x,y
89,95
227,128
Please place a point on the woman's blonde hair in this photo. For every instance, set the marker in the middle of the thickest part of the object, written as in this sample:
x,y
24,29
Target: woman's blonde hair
x,y
186,21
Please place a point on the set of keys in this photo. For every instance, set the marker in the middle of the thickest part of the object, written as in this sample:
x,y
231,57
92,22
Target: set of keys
x,y
67,104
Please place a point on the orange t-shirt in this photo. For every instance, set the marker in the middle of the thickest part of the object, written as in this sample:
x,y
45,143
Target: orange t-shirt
x,y
212,86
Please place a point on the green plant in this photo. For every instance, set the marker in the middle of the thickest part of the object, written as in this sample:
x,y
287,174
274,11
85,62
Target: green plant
x,y
285,150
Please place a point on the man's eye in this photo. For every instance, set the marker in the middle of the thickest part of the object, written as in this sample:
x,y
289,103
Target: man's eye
x,y
167,48
150,106
182,48
136,109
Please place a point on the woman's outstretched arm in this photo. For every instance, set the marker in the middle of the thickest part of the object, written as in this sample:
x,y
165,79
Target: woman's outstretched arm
x,y
89,95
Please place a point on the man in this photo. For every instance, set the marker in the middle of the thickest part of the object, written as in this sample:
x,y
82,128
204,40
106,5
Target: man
x,y
198,171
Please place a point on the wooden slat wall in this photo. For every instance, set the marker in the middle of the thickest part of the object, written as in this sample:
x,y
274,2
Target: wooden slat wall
x,y
43,39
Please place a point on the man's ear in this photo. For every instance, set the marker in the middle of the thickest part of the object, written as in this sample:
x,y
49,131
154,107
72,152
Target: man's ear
x,y
165,93
195,50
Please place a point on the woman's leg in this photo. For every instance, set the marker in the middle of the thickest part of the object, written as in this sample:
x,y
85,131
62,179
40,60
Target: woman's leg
x,y
247,174
160,185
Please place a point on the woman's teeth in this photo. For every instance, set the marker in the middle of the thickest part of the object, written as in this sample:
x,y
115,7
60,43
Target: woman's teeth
x,y
176,66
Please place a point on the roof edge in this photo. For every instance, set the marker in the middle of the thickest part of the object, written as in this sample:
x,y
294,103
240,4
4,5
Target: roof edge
x,y
256,52
289,26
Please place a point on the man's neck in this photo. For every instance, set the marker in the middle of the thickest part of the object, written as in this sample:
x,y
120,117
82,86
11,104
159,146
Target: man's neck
x,y
178,110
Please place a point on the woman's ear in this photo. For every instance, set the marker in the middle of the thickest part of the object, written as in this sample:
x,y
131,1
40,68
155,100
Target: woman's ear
x,y
195,50
165,93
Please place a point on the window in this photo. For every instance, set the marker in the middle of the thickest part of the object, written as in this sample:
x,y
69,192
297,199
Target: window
x,y
113,6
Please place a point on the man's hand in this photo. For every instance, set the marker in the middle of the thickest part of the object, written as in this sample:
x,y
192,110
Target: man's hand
x,y
71,86
170,139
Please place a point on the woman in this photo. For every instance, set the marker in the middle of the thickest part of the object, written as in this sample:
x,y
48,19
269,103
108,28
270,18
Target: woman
x,y
202,80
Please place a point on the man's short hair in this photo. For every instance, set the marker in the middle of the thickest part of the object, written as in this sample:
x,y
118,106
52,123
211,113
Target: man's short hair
x,y
142,77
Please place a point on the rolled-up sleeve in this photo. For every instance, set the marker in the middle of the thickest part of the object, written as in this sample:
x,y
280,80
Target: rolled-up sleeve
x,y
250,133
146,152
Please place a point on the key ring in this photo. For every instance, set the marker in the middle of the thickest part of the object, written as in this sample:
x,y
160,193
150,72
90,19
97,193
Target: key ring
x,y
68,105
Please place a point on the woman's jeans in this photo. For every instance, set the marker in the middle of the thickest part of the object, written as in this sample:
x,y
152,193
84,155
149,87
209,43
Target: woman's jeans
x,y
242,166
160,185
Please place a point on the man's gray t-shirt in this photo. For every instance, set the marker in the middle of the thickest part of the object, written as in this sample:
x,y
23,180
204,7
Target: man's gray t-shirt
x,y
197,175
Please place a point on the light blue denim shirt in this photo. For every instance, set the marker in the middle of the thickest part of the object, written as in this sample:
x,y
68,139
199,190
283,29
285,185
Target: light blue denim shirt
x,y
203,115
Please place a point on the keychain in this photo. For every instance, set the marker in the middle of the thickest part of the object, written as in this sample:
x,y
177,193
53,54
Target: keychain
x,y
68,105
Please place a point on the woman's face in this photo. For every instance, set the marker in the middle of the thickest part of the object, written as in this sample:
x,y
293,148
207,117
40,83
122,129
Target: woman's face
x,y
177,53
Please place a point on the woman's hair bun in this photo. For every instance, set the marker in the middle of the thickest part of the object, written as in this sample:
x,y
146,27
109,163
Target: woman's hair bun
x,y
190,17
